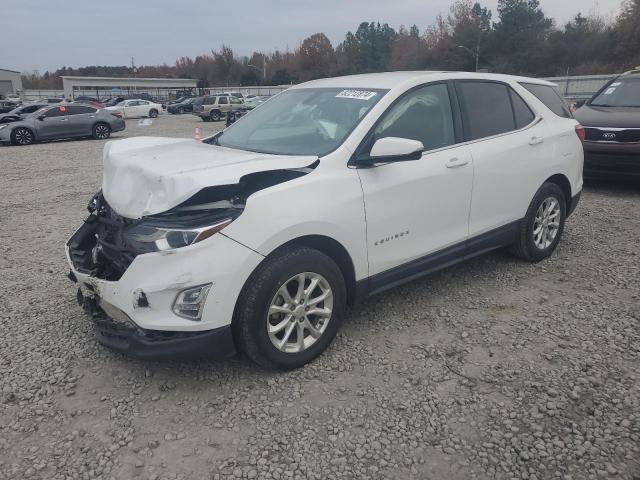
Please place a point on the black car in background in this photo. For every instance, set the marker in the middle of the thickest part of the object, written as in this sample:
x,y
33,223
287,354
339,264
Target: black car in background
x,y
185,106
612,126
18,112
6,106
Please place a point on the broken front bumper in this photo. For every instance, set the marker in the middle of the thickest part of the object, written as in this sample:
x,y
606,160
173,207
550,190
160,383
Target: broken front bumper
x,y
114,329
158,277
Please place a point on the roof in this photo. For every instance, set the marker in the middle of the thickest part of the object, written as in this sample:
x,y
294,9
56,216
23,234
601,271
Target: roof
x,y
390,80
6,70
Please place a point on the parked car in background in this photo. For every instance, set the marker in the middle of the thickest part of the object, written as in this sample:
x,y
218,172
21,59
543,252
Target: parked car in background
x,y
260,236
18,112
93,103
137,108
180,99
246,107
214,108
57,122
612,129
13,97
185,106
6,106
51,100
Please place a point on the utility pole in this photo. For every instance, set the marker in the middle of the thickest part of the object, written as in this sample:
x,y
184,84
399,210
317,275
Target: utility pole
x,y
476,54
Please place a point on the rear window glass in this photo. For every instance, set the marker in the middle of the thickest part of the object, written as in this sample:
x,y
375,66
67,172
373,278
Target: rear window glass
x,y
521,111
486,108
550,97
79,109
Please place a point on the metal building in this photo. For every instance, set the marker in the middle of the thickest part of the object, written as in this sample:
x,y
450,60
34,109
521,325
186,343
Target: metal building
x,y
10,82
107,86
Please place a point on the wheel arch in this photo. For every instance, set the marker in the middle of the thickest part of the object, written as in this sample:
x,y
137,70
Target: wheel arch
x,y
563,182
334,250
32,130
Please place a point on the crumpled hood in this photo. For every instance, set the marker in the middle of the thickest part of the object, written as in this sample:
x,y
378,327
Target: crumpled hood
x,y
150,175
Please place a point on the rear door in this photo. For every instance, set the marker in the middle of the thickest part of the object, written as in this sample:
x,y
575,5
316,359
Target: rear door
x,y
223,104
81,120
142,109
416,208
509,145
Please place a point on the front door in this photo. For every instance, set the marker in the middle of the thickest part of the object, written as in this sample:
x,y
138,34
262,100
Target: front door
x,y
54,123
419,207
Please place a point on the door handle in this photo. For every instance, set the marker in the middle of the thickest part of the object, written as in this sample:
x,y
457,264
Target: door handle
x,y
456,162
64,119
536,141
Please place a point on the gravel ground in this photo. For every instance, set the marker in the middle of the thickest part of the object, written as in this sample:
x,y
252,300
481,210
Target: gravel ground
x,y
491,369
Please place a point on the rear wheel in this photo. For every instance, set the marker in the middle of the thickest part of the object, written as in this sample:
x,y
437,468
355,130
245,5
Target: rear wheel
x,y
101,131
181,110
153,113
22,136
214,115
543,225
290,309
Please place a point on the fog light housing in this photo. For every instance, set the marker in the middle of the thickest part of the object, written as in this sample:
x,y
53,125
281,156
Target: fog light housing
x,y
190,302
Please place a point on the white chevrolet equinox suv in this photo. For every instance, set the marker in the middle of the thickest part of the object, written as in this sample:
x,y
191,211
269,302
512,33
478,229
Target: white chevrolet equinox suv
x,y
259,237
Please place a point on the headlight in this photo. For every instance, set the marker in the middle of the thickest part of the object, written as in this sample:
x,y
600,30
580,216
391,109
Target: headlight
x,y
152,238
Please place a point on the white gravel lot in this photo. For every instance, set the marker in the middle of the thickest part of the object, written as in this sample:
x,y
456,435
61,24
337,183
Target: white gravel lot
x,y
491,369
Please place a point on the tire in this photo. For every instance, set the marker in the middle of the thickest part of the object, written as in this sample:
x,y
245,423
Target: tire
x,y
22,136
101,131
181,111
153,113
263,292
538,238
214,115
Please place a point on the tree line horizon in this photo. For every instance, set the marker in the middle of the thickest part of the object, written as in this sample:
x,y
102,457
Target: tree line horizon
x,y
520,40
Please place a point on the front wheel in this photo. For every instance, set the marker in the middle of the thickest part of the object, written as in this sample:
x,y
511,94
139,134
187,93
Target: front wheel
x,y
290,309
101,131
543,224
22,136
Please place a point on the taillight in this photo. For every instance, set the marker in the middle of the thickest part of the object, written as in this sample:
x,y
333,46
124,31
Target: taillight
x,y
581,132
116,114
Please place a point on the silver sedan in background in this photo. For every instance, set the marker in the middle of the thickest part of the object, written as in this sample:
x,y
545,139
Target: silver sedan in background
x,y
62,121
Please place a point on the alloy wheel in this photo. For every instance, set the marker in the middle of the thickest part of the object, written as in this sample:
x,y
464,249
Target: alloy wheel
x,y
299,312
23,136
547,223
102,132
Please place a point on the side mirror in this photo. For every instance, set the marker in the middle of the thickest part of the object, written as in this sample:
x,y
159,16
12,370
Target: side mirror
x,y
41,117
580,103
393,149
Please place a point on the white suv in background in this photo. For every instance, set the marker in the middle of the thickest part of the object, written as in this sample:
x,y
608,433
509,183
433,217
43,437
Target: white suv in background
x,y
259,237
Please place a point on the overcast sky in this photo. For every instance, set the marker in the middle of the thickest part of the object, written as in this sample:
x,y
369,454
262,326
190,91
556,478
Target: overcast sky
x,y
47,34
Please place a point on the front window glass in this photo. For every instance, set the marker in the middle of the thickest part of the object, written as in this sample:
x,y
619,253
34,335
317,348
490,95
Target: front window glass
x,y
301,121
424,115
623,92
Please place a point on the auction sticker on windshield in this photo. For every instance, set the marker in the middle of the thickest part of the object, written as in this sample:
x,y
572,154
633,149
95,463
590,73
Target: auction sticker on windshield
x,y
357,94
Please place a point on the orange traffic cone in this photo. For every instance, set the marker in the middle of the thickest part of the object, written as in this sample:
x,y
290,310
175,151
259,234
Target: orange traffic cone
x,y
198,138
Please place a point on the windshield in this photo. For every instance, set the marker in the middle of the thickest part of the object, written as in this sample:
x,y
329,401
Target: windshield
x,y
621,93
305,121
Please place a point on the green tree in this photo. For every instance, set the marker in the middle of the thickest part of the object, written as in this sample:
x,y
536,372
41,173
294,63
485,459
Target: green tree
x,y
519,38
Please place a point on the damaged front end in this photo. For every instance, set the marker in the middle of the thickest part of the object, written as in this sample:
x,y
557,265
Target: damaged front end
x,y
107,243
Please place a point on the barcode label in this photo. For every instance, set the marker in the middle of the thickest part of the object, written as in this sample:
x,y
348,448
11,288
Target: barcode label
x,y
357,94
